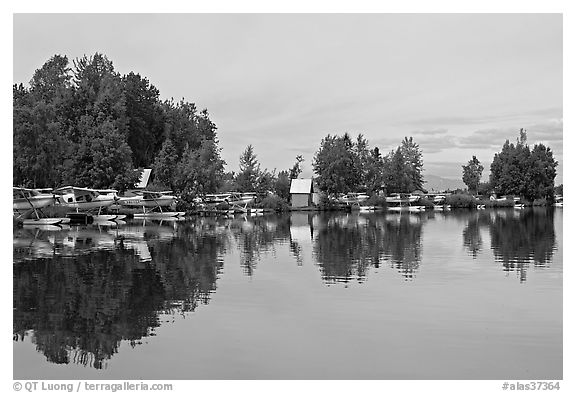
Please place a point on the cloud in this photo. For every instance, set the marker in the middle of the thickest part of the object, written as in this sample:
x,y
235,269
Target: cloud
x,y
549,132
431,132
434,141
483,119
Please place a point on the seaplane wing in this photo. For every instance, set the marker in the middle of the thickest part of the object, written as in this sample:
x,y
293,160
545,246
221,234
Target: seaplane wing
x,y
155,192
72,189
107,191
215,198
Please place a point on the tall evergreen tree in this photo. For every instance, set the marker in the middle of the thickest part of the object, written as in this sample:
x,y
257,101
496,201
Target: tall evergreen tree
x,y
247,178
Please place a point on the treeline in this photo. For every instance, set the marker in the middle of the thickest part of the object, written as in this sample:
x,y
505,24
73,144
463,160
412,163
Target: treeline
x,y
343,165
516,170
86,125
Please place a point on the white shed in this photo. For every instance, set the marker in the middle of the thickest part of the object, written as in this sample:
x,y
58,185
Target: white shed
x,y
301,192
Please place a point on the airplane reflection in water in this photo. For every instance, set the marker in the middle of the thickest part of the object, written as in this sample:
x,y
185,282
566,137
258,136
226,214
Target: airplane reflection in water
x,y
68,241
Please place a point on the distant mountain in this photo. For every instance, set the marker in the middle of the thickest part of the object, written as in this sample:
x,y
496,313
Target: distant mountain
x,y
437,183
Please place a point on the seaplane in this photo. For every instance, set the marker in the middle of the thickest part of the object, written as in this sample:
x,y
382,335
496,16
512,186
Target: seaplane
x,y
212,200
559,200
439,201
152,204
353,198
31,201
518,204
88,200
241,201
397,202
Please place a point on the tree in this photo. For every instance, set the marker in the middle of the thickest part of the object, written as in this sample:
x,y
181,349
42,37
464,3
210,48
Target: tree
x,y
471,174
413,164
517,170
559,190
100,160
200,171
247,178
335,165
39,123
362,154
87,125
396,174
52,80
145,119
282,185
374,176
540,174
296,169
165,164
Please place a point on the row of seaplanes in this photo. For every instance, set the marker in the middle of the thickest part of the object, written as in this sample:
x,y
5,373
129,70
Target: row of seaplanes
x,y
154,204
29,202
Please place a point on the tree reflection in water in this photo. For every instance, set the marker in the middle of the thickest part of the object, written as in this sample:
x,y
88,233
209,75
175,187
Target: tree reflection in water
x,y
519,238
256,236
471,235
84,290
81,304
347,246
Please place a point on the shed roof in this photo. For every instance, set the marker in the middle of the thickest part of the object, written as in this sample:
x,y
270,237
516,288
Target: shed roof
x,y
144,177
301,186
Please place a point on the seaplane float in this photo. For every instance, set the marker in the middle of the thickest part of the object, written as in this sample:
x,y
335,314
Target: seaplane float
x,y
28,202
398,202
88,200
154,204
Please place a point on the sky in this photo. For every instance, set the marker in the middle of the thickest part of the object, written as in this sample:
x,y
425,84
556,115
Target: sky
x,y
459,84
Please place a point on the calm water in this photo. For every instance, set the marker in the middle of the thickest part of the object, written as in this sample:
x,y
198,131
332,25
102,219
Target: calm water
x,y
457,295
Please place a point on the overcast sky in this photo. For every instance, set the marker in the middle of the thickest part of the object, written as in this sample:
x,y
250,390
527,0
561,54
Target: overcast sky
x,y
460,84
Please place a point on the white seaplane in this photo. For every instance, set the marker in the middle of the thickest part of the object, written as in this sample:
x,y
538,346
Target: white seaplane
x,y
397,202
353,198
241,201
212,200
88,200
518,204
439,201
559,200
152,204
31,201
